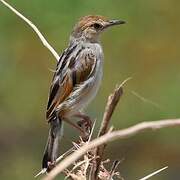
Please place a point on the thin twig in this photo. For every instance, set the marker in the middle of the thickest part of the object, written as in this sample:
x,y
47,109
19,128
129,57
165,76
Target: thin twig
x,y
113,168
36,30
92,130
109,137
145,100
154,173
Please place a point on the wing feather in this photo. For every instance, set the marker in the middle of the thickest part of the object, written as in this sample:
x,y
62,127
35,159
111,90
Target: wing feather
x,y
72,71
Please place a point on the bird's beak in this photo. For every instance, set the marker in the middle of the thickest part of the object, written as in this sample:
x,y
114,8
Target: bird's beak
x,y
115,22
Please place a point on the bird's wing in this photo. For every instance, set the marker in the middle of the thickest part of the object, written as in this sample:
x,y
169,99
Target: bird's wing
x,y
72,70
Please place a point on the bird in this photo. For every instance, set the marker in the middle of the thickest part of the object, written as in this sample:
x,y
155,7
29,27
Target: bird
x,y
76,81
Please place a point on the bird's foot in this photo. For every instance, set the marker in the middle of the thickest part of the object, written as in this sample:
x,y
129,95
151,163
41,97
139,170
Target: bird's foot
x,y
51,165
86,124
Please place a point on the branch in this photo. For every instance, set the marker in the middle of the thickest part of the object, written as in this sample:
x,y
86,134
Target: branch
x,y
154,173
110,107
112,102
109,137
36,30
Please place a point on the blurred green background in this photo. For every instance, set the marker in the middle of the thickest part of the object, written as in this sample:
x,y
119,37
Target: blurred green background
x,y
146,48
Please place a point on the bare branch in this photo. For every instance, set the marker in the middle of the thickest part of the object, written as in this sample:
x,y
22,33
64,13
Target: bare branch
x,y
109,137
113,100
36,30
110,107
154,173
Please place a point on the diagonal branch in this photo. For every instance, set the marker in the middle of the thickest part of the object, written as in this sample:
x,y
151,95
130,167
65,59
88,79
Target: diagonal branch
x,y
109,137
36,30
112,102
110,107
154,173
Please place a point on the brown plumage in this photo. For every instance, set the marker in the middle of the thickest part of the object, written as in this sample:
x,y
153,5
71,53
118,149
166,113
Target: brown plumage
x,y
87,21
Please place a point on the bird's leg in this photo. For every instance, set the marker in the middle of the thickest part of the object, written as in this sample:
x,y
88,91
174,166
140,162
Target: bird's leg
x,y
82,131
85,122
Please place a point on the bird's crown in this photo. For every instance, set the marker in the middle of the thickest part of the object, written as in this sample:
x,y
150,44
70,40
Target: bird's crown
x,y
89,21
91,26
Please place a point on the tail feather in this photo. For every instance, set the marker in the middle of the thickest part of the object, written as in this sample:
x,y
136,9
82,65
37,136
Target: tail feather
x,y
52,146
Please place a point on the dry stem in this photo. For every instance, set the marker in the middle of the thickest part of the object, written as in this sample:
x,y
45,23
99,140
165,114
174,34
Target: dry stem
x,y
110,107
109,137
41,37
154,173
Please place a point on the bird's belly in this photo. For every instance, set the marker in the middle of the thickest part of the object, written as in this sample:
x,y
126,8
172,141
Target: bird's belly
x,y
94,87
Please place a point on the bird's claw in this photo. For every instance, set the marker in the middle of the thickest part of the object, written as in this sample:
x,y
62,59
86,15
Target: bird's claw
x,y
51,165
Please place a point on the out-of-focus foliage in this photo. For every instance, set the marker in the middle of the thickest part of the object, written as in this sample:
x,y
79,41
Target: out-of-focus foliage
x,y
146,48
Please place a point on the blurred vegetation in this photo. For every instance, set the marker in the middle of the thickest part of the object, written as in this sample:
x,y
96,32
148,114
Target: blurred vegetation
x,y
146,48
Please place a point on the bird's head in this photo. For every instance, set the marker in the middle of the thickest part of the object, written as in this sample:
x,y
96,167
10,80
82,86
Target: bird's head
x,y
90,27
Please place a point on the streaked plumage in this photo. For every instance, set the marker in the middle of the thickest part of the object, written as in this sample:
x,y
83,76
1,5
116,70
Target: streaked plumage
x,y
76,75
76,80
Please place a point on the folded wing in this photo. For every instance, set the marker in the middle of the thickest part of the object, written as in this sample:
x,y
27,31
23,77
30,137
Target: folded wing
x,y
74,68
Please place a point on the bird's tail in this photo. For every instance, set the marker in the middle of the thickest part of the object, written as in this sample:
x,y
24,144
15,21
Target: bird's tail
x,y
52,146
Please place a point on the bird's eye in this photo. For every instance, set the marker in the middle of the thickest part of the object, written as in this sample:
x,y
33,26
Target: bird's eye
x,y
97,26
